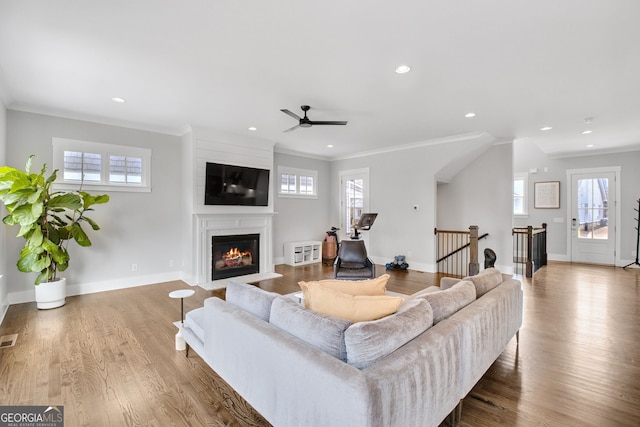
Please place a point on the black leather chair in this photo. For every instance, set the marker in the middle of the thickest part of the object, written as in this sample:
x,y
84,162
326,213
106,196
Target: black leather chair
x,y
352,262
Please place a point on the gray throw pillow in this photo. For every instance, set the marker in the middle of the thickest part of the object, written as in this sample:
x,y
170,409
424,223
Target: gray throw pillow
x,y
486,280
447,302
367,342
251,299
323,332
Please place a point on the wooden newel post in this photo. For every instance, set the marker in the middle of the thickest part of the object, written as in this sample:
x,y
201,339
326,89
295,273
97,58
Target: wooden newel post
x,y
529,265
474,267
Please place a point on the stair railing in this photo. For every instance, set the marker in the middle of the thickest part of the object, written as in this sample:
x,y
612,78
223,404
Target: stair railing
x,y
529,249
457,251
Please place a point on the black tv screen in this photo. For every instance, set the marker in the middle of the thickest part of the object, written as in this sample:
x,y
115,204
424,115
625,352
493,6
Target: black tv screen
x,y
236,185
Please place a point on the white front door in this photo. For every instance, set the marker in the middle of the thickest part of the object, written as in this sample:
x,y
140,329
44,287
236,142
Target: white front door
x,y
593,217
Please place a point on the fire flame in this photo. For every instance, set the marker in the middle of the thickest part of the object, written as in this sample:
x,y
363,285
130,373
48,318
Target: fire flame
x,y
234,257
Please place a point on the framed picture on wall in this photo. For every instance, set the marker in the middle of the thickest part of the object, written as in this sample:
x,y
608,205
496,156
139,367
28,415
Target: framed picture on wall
x,y
546,195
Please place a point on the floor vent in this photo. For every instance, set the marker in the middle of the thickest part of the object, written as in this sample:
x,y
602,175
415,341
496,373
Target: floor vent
x,y
8,340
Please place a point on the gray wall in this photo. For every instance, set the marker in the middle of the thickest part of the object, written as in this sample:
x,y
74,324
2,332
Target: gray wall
x,y
399,180
481,194
301,219
528,156
4,291
137,228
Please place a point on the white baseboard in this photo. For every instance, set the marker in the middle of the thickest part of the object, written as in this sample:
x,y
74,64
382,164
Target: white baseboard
x,y
418,266
558,257
107,285
278,260
4,306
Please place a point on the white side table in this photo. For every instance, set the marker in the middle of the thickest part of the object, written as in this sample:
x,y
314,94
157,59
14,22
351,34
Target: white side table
x,y
182,294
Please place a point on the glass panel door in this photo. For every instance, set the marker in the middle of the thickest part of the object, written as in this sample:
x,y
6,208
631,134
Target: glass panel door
x,y
353,198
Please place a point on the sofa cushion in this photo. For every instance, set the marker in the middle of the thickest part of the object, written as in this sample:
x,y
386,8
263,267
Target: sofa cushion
x,y
194,320
447,302
323,332
376,286
447,282
356,308
251,299
429,290
486,280
367,342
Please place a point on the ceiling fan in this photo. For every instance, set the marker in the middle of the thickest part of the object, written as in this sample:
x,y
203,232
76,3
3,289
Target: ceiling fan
x,y
304,122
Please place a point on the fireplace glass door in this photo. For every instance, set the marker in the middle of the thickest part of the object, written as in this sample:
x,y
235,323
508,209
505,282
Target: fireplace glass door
x,y
236,255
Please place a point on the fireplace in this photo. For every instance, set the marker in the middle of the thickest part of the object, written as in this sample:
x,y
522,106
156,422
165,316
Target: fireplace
x,y
235,255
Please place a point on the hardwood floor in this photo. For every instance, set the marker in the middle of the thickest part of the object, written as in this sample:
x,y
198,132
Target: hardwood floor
x,y
109,358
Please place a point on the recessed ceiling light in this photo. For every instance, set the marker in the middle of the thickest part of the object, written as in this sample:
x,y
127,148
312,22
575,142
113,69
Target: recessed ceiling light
x,y
469,115
586,132
330,146
546,128
402,69
118,100
590,146
253,128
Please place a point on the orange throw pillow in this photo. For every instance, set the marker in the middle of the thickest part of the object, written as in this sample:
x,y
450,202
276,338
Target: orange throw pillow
x,y
356,308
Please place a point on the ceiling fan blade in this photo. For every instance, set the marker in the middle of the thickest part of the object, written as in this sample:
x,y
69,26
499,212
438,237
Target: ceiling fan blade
x,y
324,122
295,116
291,129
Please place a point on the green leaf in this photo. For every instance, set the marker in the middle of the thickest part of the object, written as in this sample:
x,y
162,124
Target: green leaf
x,y
26,230
36,238
27,214
91,223
90,200
79,235
53,177
27,167
43,276
32,262
53,234
9,220
69,201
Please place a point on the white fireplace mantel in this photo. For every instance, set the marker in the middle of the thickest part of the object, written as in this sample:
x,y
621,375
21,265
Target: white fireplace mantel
x,y
209,225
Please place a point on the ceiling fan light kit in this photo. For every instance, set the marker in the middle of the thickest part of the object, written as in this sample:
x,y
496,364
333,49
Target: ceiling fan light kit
x,y
305,122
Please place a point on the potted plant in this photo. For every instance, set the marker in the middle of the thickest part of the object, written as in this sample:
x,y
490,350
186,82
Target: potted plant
x,y
48,220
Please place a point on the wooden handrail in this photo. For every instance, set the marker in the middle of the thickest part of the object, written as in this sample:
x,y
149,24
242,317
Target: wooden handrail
x,y
436,231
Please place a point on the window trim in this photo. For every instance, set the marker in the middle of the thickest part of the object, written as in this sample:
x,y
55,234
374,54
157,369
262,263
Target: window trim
x,y
525,196
298,173
60,145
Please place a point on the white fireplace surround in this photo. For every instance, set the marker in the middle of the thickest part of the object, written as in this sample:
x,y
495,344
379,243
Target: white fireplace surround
x,y
210,225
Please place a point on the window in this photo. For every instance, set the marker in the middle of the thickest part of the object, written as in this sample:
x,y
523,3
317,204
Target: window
x,y
520,199
297,183
103,167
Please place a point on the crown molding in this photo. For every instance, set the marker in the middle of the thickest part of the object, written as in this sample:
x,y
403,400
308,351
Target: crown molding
x,y
97,119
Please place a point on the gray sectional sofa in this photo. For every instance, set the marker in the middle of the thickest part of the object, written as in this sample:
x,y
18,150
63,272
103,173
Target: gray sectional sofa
x,y
300,368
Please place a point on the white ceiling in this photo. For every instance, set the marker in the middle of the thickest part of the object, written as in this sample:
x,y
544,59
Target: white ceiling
x,y
232,64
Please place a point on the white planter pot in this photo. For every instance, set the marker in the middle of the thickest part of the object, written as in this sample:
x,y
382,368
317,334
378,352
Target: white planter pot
x,y
51,294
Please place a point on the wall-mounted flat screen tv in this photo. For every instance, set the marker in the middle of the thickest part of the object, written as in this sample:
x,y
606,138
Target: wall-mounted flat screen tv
x,y
236,185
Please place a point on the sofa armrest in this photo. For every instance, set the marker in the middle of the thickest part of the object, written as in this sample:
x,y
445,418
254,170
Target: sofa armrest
x,y
487,327
424,375
254,357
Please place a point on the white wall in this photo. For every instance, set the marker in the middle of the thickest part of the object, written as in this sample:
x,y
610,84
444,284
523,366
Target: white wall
x,y
528,156
201,145
399,180
136,228
481,194
301,219
4,290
